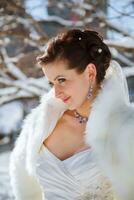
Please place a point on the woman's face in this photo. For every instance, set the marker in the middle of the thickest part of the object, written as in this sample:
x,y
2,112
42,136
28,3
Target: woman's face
x,y
69,86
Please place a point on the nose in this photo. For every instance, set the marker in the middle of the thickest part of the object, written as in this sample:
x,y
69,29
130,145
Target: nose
x,y
58,92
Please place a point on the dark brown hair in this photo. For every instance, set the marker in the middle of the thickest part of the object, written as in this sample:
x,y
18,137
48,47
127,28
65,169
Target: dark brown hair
x,y
78,48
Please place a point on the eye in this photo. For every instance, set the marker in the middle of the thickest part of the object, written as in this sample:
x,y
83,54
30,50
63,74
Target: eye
x,y
51,84
61,80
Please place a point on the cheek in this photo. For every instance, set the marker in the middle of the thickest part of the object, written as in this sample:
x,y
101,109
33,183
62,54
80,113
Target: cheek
x,y
81,89
78,95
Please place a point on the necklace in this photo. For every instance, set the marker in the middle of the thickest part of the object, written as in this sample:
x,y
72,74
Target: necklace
x,y
80,118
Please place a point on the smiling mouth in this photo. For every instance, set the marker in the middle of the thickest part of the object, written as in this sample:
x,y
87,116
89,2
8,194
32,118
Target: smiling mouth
x,y
65,100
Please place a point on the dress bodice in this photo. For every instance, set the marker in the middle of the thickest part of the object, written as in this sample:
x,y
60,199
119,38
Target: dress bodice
x,y
76,177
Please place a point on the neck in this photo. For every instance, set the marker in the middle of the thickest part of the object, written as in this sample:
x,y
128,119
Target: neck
x,y
85,108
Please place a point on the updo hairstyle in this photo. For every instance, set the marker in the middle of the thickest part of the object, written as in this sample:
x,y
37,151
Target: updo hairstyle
x,y
78,48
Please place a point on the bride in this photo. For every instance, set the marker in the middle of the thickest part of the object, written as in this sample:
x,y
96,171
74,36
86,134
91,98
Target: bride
x,y
78,143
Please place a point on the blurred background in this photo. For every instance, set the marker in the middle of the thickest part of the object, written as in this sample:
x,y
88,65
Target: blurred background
x,y
25,27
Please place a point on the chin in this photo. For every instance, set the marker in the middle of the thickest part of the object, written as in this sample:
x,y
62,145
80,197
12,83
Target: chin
x,y
73,107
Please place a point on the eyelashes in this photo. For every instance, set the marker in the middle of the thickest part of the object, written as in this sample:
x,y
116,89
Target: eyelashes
x,y
51,84
61,80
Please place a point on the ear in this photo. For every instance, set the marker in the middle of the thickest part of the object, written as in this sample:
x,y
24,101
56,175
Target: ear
x,y
91,72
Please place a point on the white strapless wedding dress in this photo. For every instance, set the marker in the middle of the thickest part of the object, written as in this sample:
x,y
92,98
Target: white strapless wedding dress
x,y
76,177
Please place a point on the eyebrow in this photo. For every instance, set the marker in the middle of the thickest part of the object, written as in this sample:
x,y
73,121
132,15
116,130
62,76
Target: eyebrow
x,y
57,77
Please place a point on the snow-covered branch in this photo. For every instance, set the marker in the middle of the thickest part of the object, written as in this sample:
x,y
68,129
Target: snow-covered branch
x,y
25,85
123,44
128,71
68,23
11,67
117,27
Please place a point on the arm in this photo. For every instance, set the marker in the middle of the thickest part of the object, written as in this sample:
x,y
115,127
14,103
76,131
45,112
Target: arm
x,y
24,186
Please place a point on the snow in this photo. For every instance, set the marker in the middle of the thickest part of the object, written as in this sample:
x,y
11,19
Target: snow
x,y
11,116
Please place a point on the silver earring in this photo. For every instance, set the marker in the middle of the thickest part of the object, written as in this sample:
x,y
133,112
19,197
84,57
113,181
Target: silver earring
x,y
90,92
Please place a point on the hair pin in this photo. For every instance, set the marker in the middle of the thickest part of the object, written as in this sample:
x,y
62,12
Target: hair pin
x,y
99,50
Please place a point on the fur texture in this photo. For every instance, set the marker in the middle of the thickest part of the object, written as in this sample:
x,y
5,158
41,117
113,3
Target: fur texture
x,y
109,131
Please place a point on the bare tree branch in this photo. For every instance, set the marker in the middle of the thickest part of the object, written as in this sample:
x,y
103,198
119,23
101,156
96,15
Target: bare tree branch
x,y
11,67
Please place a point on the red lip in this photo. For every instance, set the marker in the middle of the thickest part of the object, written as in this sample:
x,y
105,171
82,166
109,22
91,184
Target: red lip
x,y
66,99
